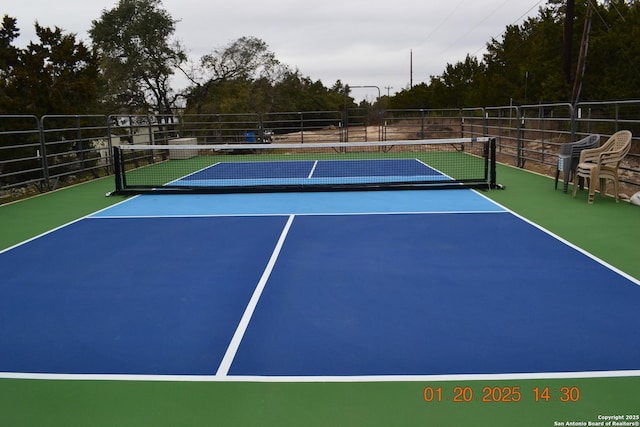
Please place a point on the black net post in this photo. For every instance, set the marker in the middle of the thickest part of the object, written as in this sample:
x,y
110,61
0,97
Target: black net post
x,y
118,169
492,162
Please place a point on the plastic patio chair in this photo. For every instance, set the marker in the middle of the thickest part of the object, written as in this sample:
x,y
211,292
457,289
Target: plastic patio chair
x,y
570,155
602,164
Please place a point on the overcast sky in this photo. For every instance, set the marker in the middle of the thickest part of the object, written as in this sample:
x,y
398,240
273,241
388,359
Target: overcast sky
x,y
359,42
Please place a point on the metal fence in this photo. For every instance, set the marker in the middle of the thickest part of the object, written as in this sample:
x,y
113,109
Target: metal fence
x,y
39,154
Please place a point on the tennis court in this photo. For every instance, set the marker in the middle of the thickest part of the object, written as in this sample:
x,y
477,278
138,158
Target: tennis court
x,y
313,287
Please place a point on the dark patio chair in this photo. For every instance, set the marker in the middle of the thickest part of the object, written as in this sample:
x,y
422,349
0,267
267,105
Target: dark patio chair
x,y
570,155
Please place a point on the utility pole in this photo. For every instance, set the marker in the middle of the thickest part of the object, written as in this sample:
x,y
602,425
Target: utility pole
x,y
411,69
568,39
582,57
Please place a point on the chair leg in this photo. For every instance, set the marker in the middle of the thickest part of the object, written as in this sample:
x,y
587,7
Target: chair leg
x,y
592,189
567,178
616,188
603,188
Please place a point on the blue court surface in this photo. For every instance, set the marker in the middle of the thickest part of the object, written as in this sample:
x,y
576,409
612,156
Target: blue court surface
x,y
312,285
312,172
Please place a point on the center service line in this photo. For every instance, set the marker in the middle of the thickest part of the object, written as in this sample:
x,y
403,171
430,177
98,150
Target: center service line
x,y
225,365
313,169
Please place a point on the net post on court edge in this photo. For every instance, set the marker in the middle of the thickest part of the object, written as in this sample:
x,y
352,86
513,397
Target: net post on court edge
x,y
118,169
493,183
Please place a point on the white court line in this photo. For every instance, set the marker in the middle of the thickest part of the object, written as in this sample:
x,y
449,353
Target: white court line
x,y
310,213
313,169
88,216
225,365
566,242
193,173
323,379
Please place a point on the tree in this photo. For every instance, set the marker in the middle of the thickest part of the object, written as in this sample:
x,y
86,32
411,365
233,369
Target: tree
x,y
612,69
8,53
459,83
247,58
56,75
8,58
245,77
416,97
138,55
240,63
524,65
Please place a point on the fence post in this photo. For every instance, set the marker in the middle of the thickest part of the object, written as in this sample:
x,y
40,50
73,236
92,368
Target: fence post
x,y
79,142
519,142
485,122
301,127
43,154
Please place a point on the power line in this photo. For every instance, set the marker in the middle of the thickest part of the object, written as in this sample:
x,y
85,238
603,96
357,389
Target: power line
x,y
617,10
475,26
513,23
455,9
594,4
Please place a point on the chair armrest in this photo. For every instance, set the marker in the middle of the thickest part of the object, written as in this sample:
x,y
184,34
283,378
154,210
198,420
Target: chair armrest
x,y
612,156
591,155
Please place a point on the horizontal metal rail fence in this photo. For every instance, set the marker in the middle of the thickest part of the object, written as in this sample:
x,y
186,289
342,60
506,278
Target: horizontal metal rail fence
x,y
73,147
39,154
21,147
606,118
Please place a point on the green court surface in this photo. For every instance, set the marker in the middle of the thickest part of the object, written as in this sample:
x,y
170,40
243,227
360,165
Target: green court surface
x,y
608,230
123,404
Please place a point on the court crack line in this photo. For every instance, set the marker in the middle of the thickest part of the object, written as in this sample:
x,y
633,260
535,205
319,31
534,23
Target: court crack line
x,y
227,360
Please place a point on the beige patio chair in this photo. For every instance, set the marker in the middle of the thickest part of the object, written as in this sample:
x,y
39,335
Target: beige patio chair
x,y
602,163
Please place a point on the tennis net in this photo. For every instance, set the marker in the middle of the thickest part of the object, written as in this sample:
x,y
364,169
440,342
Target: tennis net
x,y
220,168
